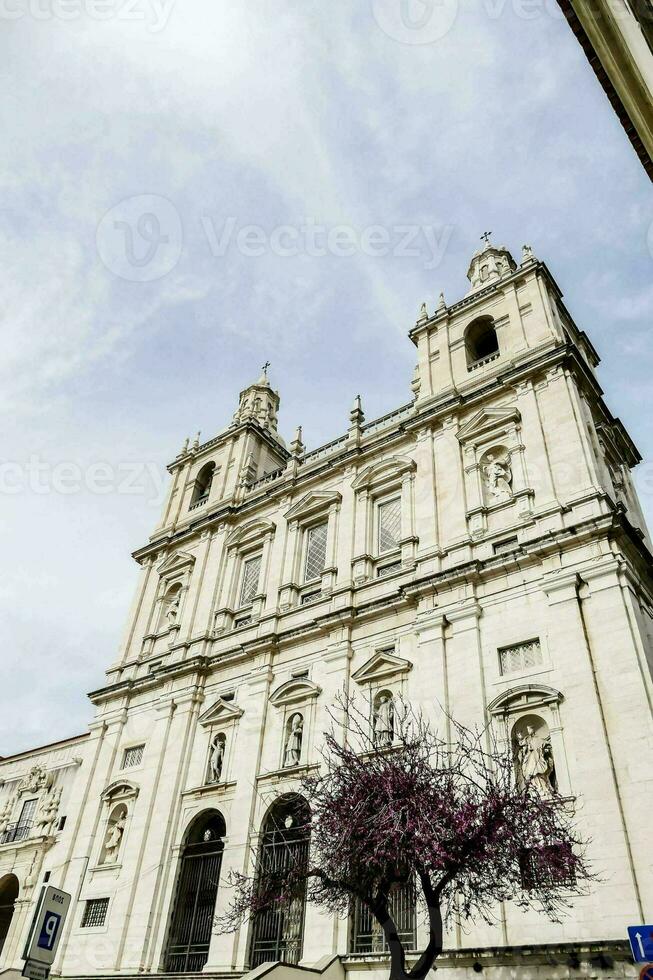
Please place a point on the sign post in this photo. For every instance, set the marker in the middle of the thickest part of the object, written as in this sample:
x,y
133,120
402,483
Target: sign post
x,y
45,933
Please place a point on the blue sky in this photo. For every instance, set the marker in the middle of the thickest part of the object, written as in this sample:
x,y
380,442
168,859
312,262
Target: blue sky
x,y
449,117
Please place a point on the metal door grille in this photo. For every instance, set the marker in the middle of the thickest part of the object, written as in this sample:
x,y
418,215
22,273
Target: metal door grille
x,y
277,934
190,931
367,936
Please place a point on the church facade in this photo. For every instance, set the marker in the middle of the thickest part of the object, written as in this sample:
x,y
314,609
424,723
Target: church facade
x,y
479,551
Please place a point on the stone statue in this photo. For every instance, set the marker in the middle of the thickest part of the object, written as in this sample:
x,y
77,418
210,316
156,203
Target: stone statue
x,y
293,749
47,812
384,721
5,815
535,760
498,476
173,610
216,760
114,838
526,253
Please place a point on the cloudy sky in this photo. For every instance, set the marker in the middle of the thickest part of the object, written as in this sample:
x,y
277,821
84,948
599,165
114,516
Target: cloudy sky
x,y
192,188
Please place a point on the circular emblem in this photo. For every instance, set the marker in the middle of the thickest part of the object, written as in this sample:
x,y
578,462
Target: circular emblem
x,y
646,972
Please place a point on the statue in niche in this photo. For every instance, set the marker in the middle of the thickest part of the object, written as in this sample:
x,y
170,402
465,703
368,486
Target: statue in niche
x,y
497,474
216,759
47,812
535,761
293,748
384,721
173,609
113,840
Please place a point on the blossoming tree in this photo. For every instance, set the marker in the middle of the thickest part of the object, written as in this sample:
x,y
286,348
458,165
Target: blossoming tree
x,y
451,817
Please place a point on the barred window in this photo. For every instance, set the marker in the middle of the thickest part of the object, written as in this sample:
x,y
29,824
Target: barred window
x,y
389,517
367,936
95,912
552,865
316,542
133,756
251,574
520,657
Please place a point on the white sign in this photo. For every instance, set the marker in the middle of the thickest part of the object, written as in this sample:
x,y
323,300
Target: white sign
x,y
48,926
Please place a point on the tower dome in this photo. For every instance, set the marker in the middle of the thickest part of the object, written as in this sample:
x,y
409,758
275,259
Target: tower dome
x,y
489,264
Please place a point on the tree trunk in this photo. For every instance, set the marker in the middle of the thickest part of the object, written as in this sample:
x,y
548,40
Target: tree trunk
x,y
432,950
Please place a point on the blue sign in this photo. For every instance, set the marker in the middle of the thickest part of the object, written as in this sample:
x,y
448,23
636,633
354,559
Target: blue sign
x,y
49,930
641,943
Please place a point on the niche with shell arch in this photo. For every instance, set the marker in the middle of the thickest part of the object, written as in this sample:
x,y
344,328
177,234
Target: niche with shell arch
x,y
383,718
114,834
496,474
533,755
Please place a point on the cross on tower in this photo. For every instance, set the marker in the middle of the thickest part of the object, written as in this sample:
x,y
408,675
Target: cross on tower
x,y
485,237
265,367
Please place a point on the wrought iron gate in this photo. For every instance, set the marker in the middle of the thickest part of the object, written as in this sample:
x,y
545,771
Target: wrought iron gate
x,y
192,918
278,934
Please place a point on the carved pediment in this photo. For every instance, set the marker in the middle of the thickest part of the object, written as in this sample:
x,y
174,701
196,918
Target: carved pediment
x,y
176,562
249,533
383,664
295,690
387,469
312,502
120,789
523,698
220,712
486,421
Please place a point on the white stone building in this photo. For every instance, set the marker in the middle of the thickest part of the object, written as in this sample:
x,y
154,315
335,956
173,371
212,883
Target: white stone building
x,y
479,550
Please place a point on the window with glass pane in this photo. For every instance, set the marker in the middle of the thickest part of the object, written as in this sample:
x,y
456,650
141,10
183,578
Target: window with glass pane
x,y
95,912
251,573
316,540
133,756
520,657
389,525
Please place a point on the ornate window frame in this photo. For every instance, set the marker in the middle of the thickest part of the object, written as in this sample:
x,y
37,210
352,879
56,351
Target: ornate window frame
x,y
243,543
174,571
313,509
120,792
379,483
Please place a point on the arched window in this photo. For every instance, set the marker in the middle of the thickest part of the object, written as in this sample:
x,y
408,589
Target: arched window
x,y
8,896
196,891
202,487
277,933
481,340
533,754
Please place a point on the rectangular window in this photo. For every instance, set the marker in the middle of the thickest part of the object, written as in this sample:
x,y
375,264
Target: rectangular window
x,y
95,912
251,574
27,812
521,657
389,518
503,547
553,865
367,936
316,542
133,756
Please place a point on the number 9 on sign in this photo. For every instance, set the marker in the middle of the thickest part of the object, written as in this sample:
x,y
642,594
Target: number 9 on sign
x,y
49,930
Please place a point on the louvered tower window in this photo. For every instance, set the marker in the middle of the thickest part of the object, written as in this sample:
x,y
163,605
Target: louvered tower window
x,y
316,541
389,517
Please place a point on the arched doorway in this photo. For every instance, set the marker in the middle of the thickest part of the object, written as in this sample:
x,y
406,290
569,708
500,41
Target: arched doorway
x,y
8,896
278,934
196,891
